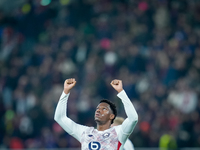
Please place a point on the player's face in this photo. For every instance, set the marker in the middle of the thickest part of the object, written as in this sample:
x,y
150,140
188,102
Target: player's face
x,y
103,113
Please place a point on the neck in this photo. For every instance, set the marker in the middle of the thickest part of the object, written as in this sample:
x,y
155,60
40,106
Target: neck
x,y
102,127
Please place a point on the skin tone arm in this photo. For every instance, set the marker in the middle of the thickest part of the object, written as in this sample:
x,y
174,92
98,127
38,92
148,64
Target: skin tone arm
x,y
117,85
69,84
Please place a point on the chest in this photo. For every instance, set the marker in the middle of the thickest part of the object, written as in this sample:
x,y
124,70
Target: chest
x,y
94,140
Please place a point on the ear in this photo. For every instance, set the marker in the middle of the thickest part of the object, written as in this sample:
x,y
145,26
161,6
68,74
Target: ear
x,y
112,116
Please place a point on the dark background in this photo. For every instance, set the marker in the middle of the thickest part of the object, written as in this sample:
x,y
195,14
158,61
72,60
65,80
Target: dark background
x,y
153,46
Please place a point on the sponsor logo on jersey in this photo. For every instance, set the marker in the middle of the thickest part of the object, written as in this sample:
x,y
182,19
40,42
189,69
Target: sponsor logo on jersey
x,y
94,145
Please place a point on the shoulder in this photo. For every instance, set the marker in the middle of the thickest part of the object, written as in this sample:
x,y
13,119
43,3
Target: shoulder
x,y
117,128
89,129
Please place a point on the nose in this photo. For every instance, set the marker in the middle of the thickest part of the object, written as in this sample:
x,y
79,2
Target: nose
x,y
98,111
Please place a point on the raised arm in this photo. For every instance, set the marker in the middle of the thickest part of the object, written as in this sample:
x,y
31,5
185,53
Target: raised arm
x,y
60,116
130,122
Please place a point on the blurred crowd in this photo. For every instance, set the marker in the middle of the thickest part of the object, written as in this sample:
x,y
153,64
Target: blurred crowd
x,y
153,46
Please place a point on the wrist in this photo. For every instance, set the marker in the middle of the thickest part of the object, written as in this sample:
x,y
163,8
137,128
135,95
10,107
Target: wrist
x,y
66,91
119,90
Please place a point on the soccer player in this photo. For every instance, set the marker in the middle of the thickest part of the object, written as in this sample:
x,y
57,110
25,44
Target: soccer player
x,y
128,145
104,137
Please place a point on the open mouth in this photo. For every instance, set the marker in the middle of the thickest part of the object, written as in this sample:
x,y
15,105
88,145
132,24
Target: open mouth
x,y
97,115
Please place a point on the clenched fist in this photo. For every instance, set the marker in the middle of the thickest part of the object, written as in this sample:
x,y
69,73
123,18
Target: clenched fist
x,y
117,85
69,84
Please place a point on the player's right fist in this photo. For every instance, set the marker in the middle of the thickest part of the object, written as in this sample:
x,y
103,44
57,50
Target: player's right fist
x,y
69,84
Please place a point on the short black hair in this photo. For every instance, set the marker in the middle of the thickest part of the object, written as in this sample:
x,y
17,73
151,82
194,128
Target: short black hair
x,y
112,106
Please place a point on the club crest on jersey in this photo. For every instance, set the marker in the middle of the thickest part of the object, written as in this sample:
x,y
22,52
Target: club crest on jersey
x,y
105,135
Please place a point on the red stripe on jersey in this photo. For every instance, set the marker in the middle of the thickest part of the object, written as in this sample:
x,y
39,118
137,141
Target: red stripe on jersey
x,y
119,145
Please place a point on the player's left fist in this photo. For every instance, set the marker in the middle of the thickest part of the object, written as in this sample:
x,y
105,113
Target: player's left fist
x,y
117,85
69,84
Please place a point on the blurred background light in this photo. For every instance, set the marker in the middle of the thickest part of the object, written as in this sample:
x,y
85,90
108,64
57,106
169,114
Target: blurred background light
x,y
26,8
64,2
45,2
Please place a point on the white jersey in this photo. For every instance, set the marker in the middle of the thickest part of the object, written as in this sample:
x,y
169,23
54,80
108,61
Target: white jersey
x,y
128,145
92,139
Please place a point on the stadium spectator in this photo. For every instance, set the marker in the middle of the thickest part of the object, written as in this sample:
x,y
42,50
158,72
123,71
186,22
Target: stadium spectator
x,y
96,41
